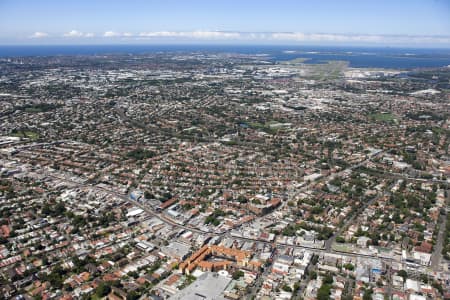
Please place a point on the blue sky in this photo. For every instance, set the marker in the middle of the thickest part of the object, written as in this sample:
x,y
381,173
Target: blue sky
x,y
424,23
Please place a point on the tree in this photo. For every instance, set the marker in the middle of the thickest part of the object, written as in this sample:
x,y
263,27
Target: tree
x,y
140,154
286,288
59,209
55,277
367,294
314,259
102,289
403,274
324,292
340,239
437,286
46,209
133,295
238,274
349,267
328,279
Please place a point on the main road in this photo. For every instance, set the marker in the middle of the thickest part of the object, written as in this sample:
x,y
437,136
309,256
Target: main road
x,y
161,217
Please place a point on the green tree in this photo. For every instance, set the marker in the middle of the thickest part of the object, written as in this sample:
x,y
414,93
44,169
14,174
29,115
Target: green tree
x,y
367,294
403,274
349,267
340,239
324,292
133,295
328,279
286,288
103,289
238,274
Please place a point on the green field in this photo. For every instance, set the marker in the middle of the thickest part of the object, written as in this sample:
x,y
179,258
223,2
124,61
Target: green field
x,y
33,110
26,134
384,117
342,247
266,127
328,70
324,70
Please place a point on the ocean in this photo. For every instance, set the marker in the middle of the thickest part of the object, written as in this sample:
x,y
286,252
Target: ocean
x,y
358,57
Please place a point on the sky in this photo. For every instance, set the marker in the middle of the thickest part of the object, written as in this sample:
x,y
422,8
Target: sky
x,y
415,23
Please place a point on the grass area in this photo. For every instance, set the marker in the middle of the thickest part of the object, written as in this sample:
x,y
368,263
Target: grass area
x,y
255,125
26,134
383,117
323,70
33,110
327,70
342,248
263,127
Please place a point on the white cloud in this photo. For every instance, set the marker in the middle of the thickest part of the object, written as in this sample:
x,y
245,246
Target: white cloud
x,y
358,38
73,33
112,34
323,37
78,34
276,37
199,34
215,35
158,34
295,37
39,35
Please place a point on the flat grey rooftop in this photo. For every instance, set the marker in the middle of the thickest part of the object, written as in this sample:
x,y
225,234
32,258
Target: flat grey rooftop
x,y
208,286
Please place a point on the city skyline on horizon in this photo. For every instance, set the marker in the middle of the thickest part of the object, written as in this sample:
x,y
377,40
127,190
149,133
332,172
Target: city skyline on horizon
x,y
345,23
